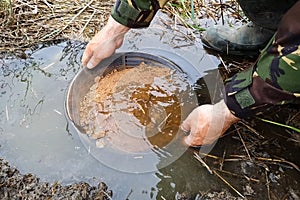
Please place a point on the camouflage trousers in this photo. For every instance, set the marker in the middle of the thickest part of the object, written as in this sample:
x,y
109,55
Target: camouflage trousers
x,y
266,13
275,78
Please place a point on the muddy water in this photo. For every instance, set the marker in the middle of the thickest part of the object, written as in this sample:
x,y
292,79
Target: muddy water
x,y
133,115
138,99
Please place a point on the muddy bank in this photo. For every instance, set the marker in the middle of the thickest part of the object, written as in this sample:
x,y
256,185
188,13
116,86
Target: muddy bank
x,y
14,185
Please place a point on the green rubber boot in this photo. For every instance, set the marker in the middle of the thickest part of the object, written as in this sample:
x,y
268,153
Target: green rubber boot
x,y
244,40
250,38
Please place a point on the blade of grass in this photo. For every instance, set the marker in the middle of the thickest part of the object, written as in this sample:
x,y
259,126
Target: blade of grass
x,y
279,124
192,10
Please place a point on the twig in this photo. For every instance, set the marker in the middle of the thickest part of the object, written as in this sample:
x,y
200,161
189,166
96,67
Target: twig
x,y
223,63
287,138
214,172
49,6
184,22
246,149
130,192
251,129
62,29
293,117
268,184
242,157
140,107
233,159
202,162
210,156
222,15
227,183
222,161
107,195
238,175
279,161
163,121
89,20
7,115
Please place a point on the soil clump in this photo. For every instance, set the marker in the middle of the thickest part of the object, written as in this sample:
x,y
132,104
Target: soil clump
x,y
14,185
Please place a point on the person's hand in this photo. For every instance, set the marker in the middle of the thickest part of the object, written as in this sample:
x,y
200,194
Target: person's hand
x,y
207,123
104,43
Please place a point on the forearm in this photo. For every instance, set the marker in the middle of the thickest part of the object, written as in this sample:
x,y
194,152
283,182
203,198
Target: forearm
x,y
136,13
275,77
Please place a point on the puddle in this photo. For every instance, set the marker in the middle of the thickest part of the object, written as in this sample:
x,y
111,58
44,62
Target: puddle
x,y
37,138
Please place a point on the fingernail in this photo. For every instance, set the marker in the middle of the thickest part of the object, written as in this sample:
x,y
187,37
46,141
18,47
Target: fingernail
x,y
89,65
184,130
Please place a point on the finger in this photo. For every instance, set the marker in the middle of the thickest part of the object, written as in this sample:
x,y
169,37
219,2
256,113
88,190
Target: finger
x,y
195,129
185,126
188,140
93,61
193,141
87,54
191,122
103,51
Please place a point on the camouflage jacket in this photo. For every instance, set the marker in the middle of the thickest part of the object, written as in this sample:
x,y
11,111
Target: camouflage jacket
x,y
273,80
136,13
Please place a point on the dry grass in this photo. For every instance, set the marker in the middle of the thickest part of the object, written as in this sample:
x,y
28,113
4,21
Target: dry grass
x,y
197,12
25,24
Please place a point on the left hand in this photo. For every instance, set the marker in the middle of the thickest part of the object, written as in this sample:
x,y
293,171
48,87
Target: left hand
x,y
104,43
207,123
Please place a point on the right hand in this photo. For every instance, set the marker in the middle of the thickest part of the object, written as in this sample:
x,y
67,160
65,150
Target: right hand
x,y
104,43
207,123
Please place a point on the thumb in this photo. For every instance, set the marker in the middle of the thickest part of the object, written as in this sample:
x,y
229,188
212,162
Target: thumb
x,y
186,125
92,62
87,54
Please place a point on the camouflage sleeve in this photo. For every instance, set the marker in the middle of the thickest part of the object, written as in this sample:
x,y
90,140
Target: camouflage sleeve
x,y
275,78
136,13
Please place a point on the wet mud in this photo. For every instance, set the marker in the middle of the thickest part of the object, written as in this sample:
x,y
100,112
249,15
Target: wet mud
x,y
15,185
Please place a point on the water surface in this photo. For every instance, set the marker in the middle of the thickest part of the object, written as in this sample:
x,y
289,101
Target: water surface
x,y
36,136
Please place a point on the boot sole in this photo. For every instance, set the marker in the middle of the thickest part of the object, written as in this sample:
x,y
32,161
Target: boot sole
x,y
244,53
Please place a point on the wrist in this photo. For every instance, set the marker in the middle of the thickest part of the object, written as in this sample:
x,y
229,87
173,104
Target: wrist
x,y
115,27
230,118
